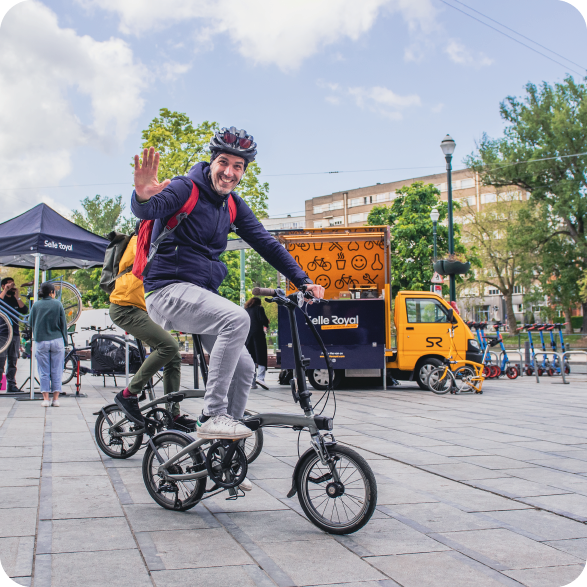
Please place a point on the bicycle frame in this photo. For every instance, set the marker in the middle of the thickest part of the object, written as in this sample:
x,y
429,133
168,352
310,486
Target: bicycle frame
x,y
313,423
10,313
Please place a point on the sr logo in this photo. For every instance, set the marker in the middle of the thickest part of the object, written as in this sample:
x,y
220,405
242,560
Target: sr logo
x,y
433,340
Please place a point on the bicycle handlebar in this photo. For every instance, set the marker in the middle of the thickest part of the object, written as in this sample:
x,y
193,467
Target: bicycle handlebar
x,y
264,291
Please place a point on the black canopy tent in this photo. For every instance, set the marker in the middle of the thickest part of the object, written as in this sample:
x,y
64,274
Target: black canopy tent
x,y
43,239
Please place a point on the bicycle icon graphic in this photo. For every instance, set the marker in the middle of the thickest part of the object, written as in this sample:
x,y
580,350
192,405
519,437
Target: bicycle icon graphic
x,y
319,262
345,280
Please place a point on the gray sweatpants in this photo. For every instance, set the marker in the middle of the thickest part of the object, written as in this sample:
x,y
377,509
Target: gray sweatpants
x,y
223,328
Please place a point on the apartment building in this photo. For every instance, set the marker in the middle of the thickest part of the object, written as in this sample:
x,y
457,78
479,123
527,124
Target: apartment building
x,y
352,207
287,222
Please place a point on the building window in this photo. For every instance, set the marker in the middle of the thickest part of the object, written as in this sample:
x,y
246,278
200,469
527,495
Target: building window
x,y
467,183
318,224
355,202
381,197
336,221
441,187
518,289
353,218
488,198
367,200
336,205
318,209
493,292
520,308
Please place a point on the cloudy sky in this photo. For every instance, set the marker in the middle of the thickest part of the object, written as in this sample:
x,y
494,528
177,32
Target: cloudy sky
x,y
323,85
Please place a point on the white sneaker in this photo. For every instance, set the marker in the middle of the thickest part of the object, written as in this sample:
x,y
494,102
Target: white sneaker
x,y
222,426
246,485
55,403
45,403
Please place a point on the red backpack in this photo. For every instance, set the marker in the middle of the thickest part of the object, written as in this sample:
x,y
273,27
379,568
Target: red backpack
x,y
146,249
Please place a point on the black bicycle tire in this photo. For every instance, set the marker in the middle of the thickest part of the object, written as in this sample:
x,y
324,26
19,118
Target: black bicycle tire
x,y
73,362
8,325
259,440
147,460
450,375
104,447
368,475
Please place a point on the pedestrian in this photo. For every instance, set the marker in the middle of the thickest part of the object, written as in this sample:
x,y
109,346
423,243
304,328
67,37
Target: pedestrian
x,y
49,325
10,295
129,312
256,342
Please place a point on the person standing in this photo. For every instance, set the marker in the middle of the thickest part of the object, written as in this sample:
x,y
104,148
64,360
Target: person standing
x,y
256,342
10,295
49,325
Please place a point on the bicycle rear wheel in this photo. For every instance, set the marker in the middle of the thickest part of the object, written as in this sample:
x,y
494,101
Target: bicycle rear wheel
x,y
253,445
70,299
5,332
116,447
174,495
465,379
69,370
440,380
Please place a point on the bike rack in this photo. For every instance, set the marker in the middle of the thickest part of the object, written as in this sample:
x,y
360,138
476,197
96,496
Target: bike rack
x,y
562,363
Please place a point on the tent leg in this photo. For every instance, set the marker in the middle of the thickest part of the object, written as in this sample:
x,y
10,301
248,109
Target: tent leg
x,y
35,298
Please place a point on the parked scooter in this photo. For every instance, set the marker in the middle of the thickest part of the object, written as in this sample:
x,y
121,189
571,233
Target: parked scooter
x,y
511,371
531,367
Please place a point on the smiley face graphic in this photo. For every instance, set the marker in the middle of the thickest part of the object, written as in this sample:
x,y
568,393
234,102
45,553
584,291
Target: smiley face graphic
x,y
359,262
323,280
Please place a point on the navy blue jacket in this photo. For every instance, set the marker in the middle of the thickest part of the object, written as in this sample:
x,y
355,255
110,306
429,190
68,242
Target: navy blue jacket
x,y
192,252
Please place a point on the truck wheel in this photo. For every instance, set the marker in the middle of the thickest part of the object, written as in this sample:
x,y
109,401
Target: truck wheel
x,y
319,378
424,369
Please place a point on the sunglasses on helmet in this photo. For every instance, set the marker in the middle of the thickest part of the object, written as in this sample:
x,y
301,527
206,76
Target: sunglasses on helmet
x,y
231,139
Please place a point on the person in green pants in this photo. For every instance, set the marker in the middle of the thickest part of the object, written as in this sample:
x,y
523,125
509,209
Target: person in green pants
x,y
128,311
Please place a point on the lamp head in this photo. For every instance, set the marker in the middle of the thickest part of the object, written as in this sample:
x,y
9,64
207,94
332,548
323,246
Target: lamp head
x,y
434,215
448,146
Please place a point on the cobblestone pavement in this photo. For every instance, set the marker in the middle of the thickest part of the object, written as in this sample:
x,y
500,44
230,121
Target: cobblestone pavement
x,y
477,491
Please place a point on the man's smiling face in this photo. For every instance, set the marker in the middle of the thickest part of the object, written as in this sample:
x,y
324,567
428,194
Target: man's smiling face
x,y
226,171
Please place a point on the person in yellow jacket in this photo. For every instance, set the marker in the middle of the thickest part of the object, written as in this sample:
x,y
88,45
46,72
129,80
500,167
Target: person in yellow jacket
x,y
129,312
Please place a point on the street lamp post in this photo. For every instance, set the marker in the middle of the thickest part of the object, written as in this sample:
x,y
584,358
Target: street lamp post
x,y
448,148
434,216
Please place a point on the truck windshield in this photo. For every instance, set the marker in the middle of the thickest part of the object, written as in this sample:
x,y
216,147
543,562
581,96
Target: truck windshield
x,y
425,310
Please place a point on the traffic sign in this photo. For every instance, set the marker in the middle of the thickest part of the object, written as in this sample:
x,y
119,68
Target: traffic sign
x,y
436,278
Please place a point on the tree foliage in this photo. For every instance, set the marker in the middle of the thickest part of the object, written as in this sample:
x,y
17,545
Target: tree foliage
x,y
411,230
102,215
540,151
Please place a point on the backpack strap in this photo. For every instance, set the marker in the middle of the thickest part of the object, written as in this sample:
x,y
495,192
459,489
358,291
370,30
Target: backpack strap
x,y
172,224
232,211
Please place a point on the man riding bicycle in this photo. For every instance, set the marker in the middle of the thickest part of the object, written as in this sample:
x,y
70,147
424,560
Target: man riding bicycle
x,y
181,286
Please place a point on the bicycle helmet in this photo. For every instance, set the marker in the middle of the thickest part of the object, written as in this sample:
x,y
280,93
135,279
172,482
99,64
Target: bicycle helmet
x,y
235,142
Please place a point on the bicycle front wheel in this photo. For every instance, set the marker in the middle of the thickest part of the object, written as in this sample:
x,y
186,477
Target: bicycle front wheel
x,y
253,445
70,299
116,447
69,370
465,379
5,332
337,507
440,380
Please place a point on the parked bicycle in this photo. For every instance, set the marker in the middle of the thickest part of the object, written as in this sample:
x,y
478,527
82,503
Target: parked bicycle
x,y
323,264
468,377
335,485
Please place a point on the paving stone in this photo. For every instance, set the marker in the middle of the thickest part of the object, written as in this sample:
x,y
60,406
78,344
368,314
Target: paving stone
x,y
494,462
73,456
516,487
389,494
19,497
511,550
16,555
439,517
96,569
548,577
435,569
255,500
21,478
152,518
184,549
543,524
78,469
570,502
304,562
464,471
18,522
241,576
84,497
482,501
577,547
91,534
10,464
569,465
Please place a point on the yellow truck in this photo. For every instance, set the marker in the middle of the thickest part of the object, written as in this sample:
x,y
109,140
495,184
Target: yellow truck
x,y
353,264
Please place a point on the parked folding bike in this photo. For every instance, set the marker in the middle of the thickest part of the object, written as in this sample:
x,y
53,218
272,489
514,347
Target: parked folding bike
x,y
335,485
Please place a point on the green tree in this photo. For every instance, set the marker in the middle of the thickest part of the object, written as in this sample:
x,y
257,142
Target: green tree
x,y
500,237
545,131
102,215
411,231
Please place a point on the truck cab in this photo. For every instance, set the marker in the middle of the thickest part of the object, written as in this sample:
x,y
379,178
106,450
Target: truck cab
x,y
422,336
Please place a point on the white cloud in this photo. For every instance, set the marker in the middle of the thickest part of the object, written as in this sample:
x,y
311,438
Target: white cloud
x,y
280,32
438,108
460,54
42,66
384,101
335,100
